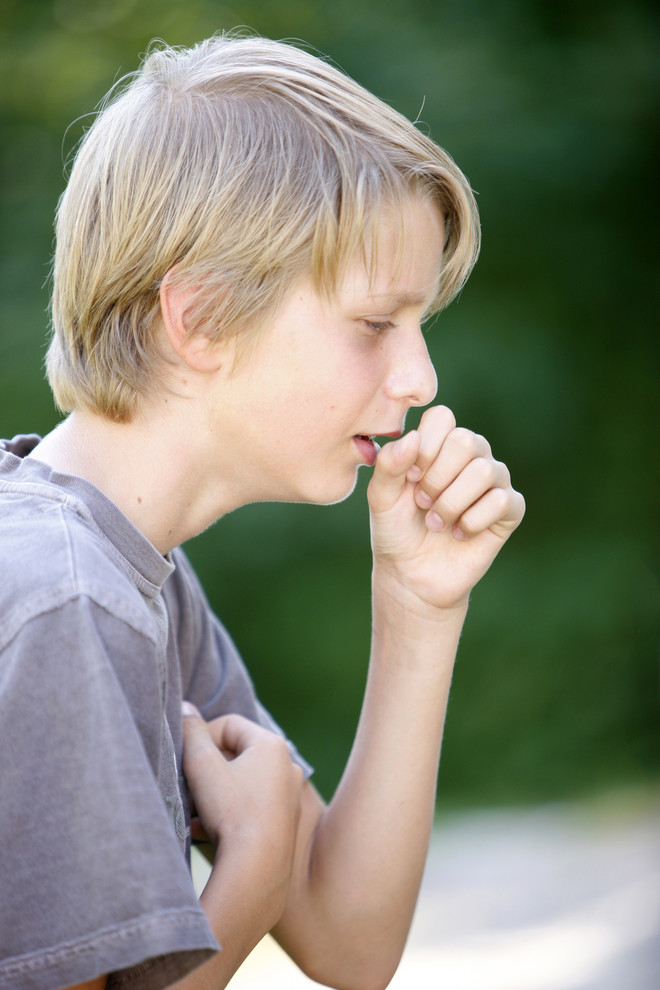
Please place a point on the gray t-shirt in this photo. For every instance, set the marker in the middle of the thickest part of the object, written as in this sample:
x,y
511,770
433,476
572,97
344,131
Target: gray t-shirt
x,y
100,639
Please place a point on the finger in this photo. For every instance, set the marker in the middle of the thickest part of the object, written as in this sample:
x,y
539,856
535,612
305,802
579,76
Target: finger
x,y
459,448
499,510
204,767
206,772
234,734
197,738
478,477
434,427
393,463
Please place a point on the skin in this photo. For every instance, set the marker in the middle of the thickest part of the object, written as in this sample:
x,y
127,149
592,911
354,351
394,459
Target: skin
x,y
281,425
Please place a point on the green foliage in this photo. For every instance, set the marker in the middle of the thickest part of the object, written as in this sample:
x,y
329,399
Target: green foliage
x,y
550,109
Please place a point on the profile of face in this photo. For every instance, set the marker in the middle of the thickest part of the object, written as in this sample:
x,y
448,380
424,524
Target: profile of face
x,y
325,376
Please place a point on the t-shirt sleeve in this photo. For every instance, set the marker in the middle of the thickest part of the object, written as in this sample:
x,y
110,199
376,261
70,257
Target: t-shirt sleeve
x,y
92,877
214,675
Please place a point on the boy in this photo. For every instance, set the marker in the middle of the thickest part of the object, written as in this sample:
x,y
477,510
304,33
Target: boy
x,y
246,249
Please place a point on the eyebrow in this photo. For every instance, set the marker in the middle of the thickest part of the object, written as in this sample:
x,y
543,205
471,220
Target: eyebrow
x,y
405,299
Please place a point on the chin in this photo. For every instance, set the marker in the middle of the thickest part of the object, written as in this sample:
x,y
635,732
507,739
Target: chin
x,y
330,494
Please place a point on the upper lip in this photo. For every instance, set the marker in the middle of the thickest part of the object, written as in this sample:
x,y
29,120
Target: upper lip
x,y
378,433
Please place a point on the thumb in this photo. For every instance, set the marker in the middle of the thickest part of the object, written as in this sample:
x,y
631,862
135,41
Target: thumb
x,y
395,467
204,768
198,743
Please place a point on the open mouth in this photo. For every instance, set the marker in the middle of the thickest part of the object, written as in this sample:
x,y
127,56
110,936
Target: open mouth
x,y
367,447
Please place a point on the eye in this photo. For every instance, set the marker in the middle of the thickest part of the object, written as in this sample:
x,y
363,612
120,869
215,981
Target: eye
x,y
379,326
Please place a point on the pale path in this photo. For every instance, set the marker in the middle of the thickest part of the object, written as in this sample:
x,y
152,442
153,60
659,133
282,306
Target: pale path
x,y
559,898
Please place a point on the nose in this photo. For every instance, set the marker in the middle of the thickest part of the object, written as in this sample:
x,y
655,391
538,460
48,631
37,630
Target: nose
x,y
412,376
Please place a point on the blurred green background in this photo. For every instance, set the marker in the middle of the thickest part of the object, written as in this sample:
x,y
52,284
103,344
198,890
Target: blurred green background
x,y
551,109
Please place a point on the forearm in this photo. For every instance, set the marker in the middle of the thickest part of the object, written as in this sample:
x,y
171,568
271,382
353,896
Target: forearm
x,y
240,909
247,794
355,900
383,810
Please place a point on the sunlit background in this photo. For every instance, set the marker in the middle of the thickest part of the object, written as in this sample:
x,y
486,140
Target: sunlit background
x,y
550,108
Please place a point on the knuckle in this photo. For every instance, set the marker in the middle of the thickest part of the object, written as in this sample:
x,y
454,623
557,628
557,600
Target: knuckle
x,y
516,506
483,444
279,748
447,508
430,482
465,439
471,444
468,525
486,470
501,501
441,416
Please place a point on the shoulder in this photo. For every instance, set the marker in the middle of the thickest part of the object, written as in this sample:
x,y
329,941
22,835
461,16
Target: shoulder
x,y
51,553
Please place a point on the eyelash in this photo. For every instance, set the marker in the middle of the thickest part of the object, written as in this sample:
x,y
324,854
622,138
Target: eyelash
x,y
380,327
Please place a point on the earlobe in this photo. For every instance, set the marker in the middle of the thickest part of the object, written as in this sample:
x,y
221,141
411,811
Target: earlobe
x,y
190,344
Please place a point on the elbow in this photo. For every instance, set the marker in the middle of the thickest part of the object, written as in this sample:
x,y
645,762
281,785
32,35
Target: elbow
x,y
366,982
364,971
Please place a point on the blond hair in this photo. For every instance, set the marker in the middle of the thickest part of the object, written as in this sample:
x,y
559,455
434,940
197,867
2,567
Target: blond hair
x,y
243,164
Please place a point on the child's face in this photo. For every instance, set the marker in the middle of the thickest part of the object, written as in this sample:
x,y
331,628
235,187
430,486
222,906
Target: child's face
x,y
324,375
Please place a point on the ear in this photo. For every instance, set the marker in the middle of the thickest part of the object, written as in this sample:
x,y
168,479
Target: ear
x,y
187,341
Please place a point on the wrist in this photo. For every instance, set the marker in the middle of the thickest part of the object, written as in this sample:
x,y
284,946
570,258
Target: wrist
x,y
395,602
411,636
243,873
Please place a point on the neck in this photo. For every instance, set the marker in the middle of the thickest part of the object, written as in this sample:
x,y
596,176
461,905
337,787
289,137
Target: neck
x,y
153,468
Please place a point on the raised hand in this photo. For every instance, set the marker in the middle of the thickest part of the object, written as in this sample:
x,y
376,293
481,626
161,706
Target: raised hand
x,y
441,509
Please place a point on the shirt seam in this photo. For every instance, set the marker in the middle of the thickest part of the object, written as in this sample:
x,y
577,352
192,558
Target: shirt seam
x,y
31,962
70,501
53,601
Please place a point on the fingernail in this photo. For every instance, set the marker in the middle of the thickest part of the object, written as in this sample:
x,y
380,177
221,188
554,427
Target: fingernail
x,y
423,500
414,473
434,522
188,709
459,534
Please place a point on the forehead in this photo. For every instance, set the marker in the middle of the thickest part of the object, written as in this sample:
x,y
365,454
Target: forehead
x,y
401,260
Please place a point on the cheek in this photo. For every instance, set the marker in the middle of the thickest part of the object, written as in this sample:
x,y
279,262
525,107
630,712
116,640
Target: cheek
x,y
336,390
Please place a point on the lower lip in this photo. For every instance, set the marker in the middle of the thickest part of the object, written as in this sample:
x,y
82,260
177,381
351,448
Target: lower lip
x,y
368,449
